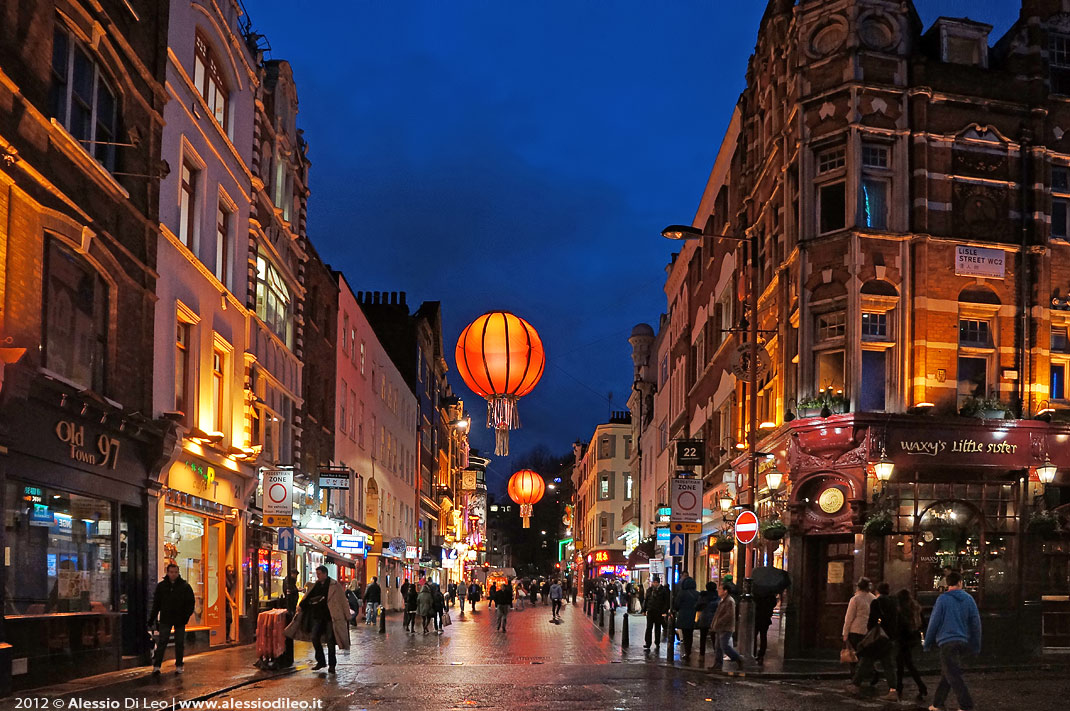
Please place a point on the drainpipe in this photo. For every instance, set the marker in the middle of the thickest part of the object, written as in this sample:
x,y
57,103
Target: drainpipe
x,y
1025,280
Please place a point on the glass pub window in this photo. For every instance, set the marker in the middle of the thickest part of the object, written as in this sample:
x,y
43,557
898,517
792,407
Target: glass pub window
x,y
81,99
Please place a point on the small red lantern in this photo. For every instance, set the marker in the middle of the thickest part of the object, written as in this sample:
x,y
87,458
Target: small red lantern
x,y
526,488
500,357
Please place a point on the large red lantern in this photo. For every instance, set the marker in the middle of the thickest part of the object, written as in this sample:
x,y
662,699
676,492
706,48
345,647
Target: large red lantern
x,y
500,357
526,488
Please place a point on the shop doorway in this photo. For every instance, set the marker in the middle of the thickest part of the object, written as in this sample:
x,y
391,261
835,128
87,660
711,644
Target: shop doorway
x,y
828,566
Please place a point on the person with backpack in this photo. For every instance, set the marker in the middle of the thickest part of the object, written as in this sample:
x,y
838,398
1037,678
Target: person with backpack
x,y
955,628
882,631
172,606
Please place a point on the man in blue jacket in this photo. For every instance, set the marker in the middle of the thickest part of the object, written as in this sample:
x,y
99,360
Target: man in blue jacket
x,y
954,627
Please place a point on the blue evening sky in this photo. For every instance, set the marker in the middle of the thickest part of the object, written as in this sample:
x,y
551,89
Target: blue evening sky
x,y
522,155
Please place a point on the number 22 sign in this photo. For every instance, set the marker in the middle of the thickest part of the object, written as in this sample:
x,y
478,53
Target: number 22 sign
x,y
690,453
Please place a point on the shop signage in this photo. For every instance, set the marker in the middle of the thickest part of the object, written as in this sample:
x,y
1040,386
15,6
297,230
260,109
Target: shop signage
x,y
663,538
1004,447
657,566
468,480
351,543
321,536
278,497
740,364
334,478
412,552
397,546
72,434
746,527
203,476
686,498
690,453
977,261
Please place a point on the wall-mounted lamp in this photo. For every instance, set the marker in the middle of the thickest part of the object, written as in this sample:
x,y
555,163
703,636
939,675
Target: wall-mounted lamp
x,y
1046,472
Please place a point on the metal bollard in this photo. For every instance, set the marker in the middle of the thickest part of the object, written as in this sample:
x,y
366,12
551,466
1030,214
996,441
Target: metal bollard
x,y
601,616
670,637
612,622
587,607
382,619
624,630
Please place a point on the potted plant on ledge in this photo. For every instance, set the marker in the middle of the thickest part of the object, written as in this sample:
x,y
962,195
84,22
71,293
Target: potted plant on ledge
x,y
725,542
988,408
826,402
773,529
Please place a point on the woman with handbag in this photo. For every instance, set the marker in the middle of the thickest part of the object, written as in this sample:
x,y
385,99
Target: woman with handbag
x,y
880,642
856,622
909,638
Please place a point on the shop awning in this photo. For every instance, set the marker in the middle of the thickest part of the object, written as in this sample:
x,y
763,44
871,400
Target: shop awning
x,y
642,554
355,525
320,548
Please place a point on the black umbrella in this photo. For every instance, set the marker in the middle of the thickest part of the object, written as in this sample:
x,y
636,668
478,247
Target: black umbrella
x,y
767,580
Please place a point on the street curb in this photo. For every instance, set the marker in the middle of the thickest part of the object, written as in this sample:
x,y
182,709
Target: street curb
x,y
982,669
204,697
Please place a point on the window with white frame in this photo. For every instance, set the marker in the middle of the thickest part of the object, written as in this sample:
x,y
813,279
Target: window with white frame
x,y
345,330
208,78
187,203
219,360
830,328
343,409
978,308
605,486
1059,63
831,190
183,370
1060,201
874,189
81,98
224,220
274,304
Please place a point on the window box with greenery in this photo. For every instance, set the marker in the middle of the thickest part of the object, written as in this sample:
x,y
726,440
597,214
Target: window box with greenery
x,y
773,529
825,403
878,524
984,407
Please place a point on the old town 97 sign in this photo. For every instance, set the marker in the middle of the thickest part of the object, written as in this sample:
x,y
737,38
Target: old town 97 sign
x,y
104,454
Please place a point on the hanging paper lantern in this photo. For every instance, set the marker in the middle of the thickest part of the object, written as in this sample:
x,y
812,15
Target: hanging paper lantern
x,y
526,488
500,357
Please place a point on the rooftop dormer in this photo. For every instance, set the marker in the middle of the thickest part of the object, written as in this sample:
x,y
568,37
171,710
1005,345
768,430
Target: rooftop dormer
x,y
960,41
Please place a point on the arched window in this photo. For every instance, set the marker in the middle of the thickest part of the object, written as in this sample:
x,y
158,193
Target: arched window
x,y
208,78
81,99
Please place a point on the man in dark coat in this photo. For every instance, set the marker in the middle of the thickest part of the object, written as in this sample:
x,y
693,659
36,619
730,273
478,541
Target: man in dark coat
x,y
657,604
373,596
685,605
172,606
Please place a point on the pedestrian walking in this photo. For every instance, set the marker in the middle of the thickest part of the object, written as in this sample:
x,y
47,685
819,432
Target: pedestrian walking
x,y
373,597
353,597
172,606
438,606
555,598
291,592
572,591
856,621
490,594
462,593
230,591
724,626
451,593
322,617
657,605
611,596
521,593
545,591
909,638
533,592
502,604
764,605
883,614
474,593
708,601
641,594
955,628
684,605
425,606
412,604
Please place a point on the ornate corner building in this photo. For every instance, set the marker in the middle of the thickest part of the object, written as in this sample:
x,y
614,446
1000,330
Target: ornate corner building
x,y
908,189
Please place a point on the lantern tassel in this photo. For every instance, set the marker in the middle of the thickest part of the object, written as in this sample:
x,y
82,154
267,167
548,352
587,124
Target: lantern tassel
x,y
502,416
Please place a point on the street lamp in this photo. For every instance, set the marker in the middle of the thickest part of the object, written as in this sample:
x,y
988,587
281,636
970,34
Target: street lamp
x,y
725,503
773,478
884,467
1046,471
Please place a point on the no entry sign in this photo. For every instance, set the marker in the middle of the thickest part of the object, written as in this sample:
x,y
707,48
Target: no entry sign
x,y
746,527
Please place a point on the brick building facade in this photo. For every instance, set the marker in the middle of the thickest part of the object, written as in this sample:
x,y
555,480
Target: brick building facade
x,y
907,188
82,90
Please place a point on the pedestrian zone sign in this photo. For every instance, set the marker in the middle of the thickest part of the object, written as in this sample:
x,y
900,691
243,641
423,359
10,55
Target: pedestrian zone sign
x,y
278,521
286,540
685,527
686,499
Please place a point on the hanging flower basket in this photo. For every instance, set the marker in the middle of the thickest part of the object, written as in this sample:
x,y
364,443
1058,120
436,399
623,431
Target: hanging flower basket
x,y
725,544
773,530
1043,523
878,525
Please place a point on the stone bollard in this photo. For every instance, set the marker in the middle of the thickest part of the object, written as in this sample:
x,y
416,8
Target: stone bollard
x,y
382,619
612,622
624,630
